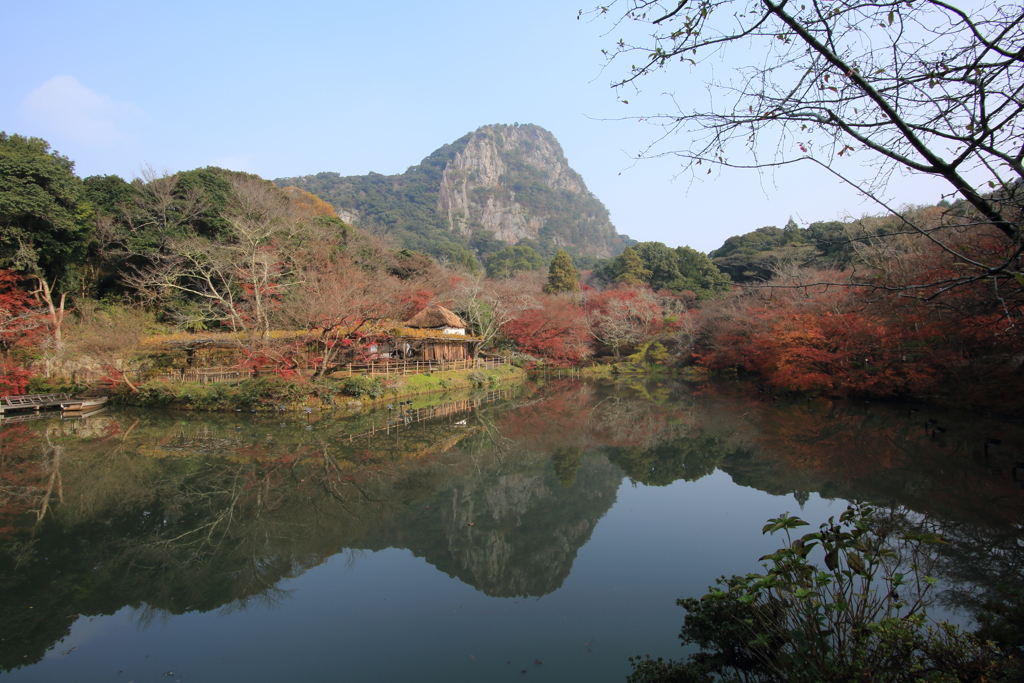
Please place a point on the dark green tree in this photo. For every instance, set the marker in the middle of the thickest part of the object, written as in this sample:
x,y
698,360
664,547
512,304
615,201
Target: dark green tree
x,y
108,194
792,234
628,269
562,275
663,268
700,275
566,462
748,257
511,261
45,225
663,262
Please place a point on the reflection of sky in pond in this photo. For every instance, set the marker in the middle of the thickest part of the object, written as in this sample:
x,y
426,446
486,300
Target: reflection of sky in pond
x,y
389,616
439,533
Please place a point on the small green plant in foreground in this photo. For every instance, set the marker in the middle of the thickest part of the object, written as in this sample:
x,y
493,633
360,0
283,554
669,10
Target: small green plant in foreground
x,y
860,618
363,387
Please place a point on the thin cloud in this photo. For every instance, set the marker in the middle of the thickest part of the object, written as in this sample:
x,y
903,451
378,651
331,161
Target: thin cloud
x,y
65,106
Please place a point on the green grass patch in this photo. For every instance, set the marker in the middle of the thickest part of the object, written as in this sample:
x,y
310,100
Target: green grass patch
x,y
272,393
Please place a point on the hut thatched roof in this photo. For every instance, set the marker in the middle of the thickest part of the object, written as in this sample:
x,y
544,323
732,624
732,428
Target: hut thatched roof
x,y
435,316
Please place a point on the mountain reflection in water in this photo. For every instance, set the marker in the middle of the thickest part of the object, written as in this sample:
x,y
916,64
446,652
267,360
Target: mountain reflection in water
x,y
169,514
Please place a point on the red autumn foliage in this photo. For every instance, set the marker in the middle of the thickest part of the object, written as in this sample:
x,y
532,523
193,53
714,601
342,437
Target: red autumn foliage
x,y
20,325
924,327
14,379
624,317
413,301
821,340
20,322
555,329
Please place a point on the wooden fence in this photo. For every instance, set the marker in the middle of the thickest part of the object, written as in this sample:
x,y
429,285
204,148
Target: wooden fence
x,y
399,416
207,375
415,367
373,369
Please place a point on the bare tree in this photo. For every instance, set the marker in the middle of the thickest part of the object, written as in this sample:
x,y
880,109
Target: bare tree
x,y
490,304
160,212
623,318
240,279
107,338
337,305
921,87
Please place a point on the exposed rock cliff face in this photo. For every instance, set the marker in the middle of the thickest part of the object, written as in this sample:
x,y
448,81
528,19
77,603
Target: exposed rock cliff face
x,y
478,187
491,188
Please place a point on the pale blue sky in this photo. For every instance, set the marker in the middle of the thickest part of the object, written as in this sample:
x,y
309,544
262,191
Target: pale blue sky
x,y
283,89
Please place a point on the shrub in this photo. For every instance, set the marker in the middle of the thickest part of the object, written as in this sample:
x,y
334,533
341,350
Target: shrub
x,y
861,618
44,385
150,394
359,387
478,379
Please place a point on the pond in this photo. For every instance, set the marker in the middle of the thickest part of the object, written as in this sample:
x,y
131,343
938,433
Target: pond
x,y
536,533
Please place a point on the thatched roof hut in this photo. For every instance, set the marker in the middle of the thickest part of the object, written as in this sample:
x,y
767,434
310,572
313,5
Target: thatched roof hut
x,y
438,318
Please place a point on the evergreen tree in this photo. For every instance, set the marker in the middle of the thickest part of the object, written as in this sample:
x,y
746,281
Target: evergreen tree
x,y
511,261
629,269
562,275
700,275
45,224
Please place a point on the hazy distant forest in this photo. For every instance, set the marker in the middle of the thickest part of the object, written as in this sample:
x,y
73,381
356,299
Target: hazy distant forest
x,y
93,267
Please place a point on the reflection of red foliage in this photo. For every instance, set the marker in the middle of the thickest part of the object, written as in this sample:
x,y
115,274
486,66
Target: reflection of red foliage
x,y
557,419
22,474
850,448
568,414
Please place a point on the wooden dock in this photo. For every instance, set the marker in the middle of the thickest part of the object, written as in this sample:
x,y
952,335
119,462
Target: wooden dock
x,y
34,402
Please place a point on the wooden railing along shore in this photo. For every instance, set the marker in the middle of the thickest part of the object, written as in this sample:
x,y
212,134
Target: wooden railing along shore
x,y
372,369
399,416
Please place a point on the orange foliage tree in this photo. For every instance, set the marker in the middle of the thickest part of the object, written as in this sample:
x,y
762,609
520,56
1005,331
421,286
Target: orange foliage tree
x,y
305,205
912,333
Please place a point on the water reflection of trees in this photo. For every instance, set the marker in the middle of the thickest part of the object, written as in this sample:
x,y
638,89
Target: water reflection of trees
x,y
169,517
891,455
985,567
888,453
196,517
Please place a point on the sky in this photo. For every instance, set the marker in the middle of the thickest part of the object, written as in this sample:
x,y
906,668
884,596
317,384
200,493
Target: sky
x,y
288,89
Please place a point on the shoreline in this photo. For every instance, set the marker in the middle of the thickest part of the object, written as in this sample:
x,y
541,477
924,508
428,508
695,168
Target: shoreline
x,y
276,394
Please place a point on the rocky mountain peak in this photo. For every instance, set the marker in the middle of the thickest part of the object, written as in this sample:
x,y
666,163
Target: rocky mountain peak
x,y
478,187
491,188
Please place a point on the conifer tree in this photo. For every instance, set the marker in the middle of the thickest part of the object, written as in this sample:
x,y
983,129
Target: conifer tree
x,y
630,269
562,275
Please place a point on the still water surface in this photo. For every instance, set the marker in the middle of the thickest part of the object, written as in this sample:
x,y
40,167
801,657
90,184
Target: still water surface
x,y
541,533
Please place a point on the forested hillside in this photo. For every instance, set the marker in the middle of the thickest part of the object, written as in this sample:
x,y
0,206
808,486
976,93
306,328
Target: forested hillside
x,y
487,190
92,269
759,255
